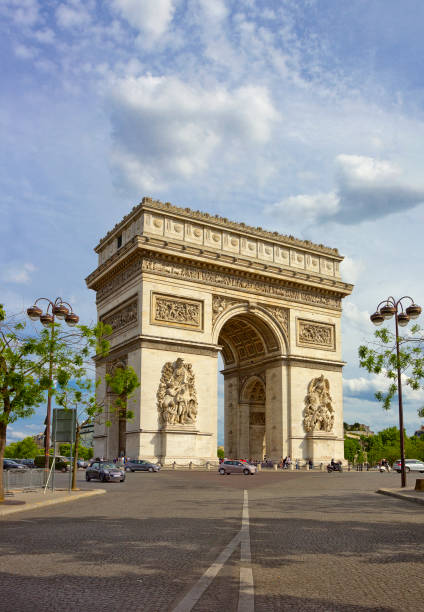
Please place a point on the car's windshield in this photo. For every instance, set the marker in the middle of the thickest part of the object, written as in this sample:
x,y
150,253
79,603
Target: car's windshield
x,y
108,465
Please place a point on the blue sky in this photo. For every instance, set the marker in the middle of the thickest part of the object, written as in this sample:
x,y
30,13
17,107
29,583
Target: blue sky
x,y
304,117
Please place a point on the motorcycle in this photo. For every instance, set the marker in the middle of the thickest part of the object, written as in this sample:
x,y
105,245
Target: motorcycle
x,y
335,467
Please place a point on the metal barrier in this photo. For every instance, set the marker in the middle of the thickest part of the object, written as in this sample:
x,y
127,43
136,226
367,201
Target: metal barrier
x,y
25,480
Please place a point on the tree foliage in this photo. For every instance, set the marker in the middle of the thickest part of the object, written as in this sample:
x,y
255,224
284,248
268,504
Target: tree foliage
x,y
23,449
381,358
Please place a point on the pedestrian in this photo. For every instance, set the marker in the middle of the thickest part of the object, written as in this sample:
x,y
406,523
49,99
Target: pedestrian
x,y
311,465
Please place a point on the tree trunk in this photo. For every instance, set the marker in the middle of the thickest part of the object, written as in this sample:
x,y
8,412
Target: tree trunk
x,y
75,466
3,428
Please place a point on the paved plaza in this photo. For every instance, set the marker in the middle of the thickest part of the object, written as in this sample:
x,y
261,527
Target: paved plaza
x,y
200,541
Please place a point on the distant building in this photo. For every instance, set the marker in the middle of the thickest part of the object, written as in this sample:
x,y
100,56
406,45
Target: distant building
x,y
420,432
39,440
359,430
86,436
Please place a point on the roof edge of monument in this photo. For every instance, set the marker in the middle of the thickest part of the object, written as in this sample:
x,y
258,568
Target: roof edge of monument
x,y
198,215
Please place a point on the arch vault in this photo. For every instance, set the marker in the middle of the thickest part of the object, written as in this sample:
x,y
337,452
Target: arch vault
x,y
179,286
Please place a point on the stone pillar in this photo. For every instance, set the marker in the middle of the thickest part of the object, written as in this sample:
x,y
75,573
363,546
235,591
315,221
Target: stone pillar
x,y
243,446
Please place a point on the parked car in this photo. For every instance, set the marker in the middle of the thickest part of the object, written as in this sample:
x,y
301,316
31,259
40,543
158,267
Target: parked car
x,y
411,465
28,462
82,463
60,462
140,465
106,471
236,467
10,464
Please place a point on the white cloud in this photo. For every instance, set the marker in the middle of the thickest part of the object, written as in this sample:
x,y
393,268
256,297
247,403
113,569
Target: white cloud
x,y
359,318
17,273
163,127
24,13
72,15
150,17
308,207
351,270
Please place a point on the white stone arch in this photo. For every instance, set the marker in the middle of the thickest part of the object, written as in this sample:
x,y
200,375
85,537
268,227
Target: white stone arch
x,y
245,389
253,311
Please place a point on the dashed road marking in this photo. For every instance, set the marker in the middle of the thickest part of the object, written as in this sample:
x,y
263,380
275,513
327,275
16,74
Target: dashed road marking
x,y
246,592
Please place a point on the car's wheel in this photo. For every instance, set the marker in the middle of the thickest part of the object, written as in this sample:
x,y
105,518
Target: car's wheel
x,y
128,469
246,472
151,469
398,471
221,471
122,479
103,477
63,470
87,477
407,469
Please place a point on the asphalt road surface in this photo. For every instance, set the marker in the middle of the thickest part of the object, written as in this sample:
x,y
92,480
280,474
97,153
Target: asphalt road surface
x,y
180,541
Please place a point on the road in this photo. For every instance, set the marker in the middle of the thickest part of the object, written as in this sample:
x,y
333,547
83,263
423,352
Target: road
x,y
176,541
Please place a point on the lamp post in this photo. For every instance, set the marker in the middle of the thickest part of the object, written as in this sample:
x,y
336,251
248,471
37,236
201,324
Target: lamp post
x,y
61,310
385,310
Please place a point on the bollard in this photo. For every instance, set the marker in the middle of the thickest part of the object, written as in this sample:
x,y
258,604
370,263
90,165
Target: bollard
x,y
419,484
307,467
291,466
275,466
321,467
259,467
208,466
174,465
190,465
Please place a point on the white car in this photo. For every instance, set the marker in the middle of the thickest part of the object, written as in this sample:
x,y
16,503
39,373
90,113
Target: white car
x,y
411,465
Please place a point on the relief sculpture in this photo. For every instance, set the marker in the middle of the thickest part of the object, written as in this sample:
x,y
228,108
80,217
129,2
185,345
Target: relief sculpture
x,y
123,317
319,412
177,401
176,312
316,334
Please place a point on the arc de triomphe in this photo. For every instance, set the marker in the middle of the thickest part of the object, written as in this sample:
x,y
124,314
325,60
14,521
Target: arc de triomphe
x,y
178,286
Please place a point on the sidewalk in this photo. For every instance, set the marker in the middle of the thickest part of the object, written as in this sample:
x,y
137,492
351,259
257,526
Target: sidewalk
x,y
18,501
407,493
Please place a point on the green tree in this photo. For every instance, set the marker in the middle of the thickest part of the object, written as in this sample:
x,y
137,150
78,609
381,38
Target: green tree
x,y
221,452
351,448
22,377
381,358
23,449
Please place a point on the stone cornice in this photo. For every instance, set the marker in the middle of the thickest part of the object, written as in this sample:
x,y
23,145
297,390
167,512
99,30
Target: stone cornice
x,y
202,258
148,204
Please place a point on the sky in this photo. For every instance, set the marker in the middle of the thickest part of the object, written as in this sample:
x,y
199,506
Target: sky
x,y
301,116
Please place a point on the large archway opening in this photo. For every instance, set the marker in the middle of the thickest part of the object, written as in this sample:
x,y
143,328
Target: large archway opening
x,y
249,350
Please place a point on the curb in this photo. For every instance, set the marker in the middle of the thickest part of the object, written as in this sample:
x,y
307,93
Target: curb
x,y
50,502
410,498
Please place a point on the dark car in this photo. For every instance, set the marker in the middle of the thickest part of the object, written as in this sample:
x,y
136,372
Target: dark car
x,y
28,462
106,471
140,465
10,464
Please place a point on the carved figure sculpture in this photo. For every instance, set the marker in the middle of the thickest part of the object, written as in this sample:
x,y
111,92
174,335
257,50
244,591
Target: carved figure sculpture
x,y
319,412
177,401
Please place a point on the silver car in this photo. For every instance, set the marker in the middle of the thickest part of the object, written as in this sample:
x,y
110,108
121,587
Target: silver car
x,y
411,465
236,467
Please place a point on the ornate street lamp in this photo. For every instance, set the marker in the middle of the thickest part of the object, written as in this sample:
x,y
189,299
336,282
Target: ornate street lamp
x,y
391,308
59,309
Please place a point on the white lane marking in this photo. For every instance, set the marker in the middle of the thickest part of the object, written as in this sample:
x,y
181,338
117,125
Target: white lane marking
x,y
246,594
202,584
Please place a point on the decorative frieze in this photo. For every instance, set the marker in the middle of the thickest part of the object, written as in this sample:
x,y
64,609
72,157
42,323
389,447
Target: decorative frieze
x,y
241,283
176,312
319,412
177,401
120,279
317,335
125,315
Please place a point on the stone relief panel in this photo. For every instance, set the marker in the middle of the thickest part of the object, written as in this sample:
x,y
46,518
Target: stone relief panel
x,y
319,412
257,418
220,279
176,396
281,314
317,335
176,312
126,315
